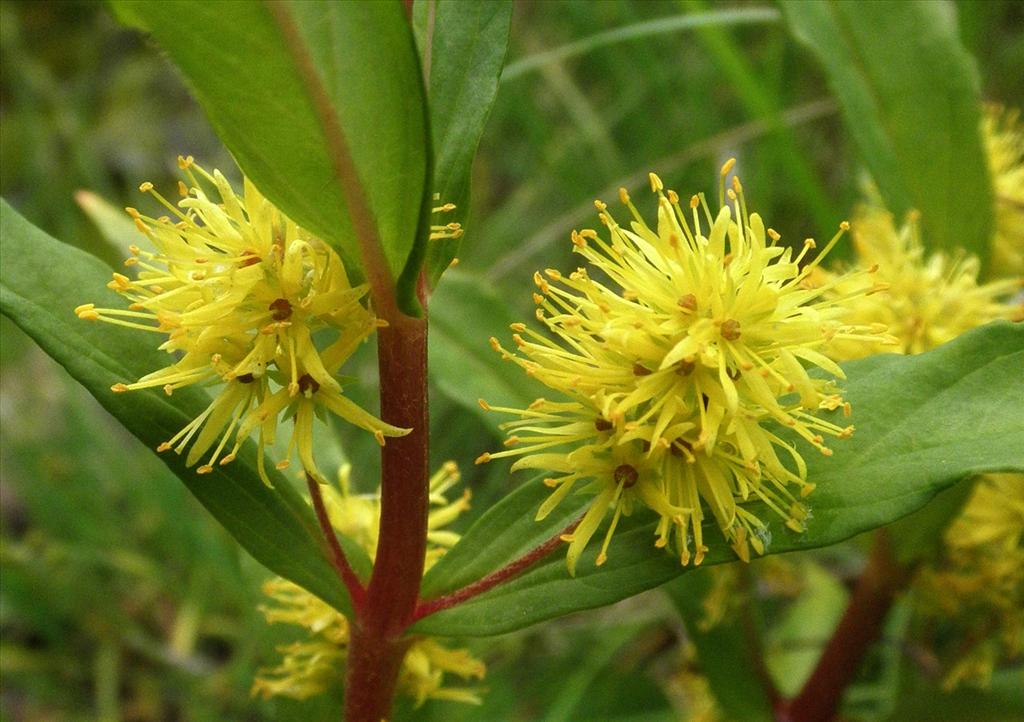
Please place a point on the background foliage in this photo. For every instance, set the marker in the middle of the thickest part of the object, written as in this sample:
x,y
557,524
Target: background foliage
x,y
123,599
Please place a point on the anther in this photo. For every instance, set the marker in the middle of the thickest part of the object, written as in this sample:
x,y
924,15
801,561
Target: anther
x,y
688,302
282,310
641,370
146,187
625,475
602,424
731,329
308,385
727,166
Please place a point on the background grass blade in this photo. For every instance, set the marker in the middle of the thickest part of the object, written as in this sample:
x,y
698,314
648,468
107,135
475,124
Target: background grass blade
x,y
730,16
911,100
274,525
925,422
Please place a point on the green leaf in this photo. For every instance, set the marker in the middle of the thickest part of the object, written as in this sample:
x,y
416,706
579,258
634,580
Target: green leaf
x,y
464,313
924,422
726,654
322,106
467,45
910,97
920,535
41,282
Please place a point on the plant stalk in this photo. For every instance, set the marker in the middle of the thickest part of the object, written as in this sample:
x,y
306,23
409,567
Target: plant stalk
x,y
376,647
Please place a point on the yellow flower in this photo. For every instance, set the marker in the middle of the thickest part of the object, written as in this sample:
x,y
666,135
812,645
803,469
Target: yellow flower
x,y
314,665
972,599
240,292
927,300
1003,136
676,356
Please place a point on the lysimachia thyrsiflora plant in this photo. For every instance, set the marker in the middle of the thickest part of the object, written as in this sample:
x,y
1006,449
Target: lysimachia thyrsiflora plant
x,y
715,390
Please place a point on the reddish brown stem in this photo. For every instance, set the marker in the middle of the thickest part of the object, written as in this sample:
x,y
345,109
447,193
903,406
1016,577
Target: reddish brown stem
x,y
507,572
860,625
337,555
376,647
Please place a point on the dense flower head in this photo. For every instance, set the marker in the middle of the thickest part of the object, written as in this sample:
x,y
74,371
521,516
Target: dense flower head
x,y
928,299
680,351
971,600
1003,135
314,665
252,306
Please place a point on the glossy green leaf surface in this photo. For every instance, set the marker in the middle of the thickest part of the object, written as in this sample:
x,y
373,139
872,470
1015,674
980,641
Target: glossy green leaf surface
x,y
288,85
274,525
463,45
923,423
464,314
910,97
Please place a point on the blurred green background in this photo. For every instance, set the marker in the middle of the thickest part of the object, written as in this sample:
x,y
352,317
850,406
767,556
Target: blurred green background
x,y
121,598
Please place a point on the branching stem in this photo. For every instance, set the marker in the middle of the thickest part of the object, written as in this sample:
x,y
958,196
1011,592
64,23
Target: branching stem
x,y
355,587
499,576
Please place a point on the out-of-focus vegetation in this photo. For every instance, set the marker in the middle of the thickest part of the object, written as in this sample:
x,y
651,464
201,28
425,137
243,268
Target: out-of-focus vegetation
x,y
122,600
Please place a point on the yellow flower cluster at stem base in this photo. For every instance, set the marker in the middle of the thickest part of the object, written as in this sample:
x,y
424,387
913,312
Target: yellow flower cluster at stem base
x,y
315,664
971,601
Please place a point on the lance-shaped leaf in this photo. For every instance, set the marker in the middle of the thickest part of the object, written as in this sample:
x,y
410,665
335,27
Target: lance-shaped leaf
x,y
923,423
463,46
41,282
322,106
911,100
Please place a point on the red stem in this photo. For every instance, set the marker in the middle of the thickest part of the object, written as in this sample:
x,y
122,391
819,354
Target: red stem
x,y
376,647
355,587
507,572
861,625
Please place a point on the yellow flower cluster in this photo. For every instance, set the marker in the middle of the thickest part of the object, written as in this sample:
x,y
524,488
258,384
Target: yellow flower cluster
x,y
1003,136
314,665
250,305
928,300
680,355
972,599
